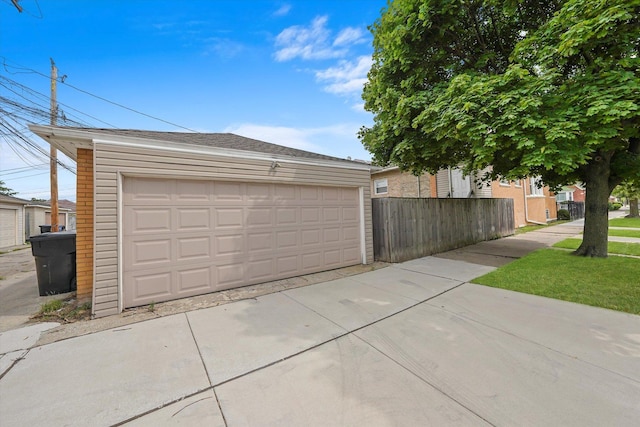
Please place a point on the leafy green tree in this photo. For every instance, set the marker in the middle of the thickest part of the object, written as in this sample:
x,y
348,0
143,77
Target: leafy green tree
x,y
544,88
631,191
6,190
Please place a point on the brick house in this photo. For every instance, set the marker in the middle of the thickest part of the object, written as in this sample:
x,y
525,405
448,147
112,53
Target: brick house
x,y
531,204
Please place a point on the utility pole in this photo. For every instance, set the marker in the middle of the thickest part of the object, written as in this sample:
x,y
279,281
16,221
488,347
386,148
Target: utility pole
x,y
54,153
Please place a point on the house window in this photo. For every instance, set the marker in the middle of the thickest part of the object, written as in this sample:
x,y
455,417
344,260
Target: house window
x,y
380,186
505,182
536,186
518,183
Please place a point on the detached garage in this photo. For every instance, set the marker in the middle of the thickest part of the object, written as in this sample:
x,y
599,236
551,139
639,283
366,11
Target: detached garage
x,y
167,215
11,221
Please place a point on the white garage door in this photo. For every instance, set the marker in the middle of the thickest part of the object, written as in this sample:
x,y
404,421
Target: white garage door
x,y
185,238
8,225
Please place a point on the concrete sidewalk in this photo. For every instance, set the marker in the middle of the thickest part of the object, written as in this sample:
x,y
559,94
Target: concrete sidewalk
x,y
411,344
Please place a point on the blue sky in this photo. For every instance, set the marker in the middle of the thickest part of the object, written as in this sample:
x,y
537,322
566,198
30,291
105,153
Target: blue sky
x,y
287,72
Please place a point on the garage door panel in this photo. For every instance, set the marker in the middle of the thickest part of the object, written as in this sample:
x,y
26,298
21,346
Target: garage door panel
x,y
350,214
330,194
194,279
261,269
351,255
311,237
310,215
229,217
148,253
147,220
259,217
332,257
194,192
230,274
287,264
350,234
330,214
214,235
149,287
284,193
227,191
258,192
229,245
189,219
309,193
147,191
286,216
193,248
286,240
260,241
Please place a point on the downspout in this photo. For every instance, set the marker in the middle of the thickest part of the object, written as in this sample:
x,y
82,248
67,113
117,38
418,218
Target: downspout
x,y
418,177
526,206
450,183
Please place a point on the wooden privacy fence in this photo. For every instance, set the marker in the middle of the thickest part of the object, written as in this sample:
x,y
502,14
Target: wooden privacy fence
x,y
405,229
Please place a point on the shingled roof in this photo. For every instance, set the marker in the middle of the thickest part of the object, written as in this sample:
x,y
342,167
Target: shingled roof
x,y
220,140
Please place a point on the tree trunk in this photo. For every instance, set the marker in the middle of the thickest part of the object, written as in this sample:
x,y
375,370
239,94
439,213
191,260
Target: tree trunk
x,y
633,208
596,215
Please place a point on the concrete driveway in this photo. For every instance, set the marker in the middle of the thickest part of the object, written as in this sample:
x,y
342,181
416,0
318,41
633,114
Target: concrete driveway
x,y
411,344
19,295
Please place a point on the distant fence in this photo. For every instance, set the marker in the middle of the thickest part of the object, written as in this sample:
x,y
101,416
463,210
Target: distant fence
x,y
405,229
576,209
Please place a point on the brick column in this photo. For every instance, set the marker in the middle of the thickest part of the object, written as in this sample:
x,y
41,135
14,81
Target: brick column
x,y
84,225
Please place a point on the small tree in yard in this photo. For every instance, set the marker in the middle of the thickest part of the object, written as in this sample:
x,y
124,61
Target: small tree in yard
x,y
545,88
6,190
630,190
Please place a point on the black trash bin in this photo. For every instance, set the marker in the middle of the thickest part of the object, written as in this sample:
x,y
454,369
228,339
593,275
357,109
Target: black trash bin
x,y
55,255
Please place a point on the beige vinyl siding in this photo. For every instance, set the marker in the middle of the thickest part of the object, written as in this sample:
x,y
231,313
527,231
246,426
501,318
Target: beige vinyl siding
x,y
111,160
442,183
480,189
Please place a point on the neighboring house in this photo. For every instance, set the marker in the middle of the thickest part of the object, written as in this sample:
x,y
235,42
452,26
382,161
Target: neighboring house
x,y
531,204
167,215
390,182
12,221
39,213
571,193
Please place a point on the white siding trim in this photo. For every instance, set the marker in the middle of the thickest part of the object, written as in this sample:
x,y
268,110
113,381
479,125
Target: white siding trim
x,y
120,228
363,237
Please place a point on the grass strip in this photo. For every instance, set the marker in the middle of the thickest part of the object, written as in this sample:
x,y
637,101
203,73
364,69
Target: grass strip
x,y
619,248
612,283
624,233
625,222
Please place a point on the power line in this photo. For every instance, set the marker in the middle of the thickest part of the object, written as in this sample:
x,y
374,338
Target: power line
x,y
62,81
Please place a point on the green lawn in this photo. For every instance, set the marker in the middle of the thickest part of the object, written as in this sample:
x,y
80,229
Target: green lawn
x,y
624,233
625,222
619,248
612,282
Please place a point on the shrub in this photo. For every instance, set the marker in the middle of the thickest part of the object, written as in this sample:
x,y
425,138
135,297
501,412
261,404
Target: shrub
x,y
614,206
563,214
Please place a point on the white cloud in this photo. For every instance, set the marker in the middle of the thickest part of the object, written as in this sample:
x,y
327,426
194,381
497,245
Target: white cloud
x,y
225,48
283,10
349,36
347,77
359,107
315,41
281,135
318,140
